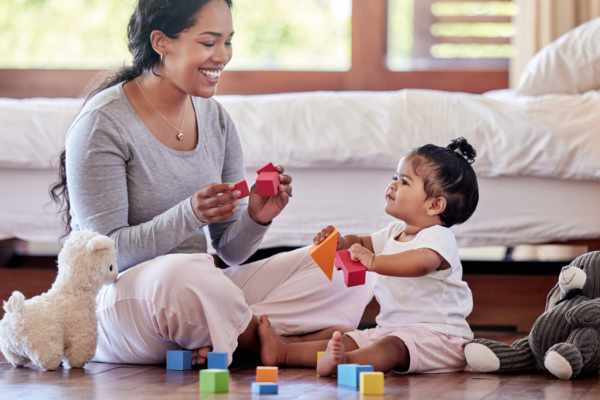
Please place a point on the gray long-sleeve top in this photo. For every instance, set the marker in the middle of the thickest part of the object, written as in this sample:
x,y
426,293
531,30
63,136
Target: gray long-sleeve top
x,y
125,184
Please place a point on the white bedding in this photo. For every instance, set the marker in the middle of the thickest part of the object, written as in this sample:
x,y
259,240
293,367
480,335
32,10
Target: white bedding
x,y
512,210
548,136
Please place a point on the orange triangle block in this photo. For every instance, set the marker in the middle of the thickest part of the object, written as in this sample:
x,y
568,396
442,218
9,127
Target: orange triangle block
x,y
324,253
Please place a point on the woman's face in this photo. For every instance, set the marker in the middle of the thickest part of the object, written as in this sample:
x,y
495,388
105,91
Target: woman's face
x,y
194,60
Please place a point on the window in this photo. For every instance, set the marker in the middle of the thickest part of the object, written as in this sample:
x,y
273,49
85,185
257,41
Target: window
x,y
435,34
64,33
270,34
292,35
57,48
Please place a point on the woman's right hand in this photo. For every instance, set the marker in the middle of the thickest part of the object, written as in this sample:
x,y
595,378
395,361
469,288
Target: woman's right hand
x,y
216,202
322,235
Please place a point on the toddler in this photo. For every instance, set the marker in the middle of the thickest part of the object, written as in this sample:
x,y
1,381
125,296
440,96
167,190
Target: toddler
x,y
424,303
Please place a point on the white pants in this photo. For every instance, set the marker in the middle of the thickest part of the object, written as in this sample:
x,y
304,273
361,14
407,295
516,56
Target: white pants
x,y
184,301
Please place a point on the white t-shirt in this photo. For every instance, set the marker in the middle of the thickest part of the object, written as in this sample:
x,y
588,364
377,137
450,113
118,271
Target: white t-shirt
x,y
440,300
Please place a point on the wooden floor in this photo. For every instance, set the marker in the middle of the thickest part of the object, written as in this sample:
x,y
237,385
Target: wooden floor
x,y
108,381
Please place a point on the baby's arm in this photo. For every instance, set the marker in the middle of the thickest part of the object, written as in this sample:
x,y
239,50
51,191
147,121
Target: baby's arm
x,y
410,263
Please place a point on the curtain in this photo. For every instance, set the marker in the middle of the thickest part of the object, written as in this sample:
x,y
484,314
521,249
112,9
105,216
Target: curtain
x,y
539,22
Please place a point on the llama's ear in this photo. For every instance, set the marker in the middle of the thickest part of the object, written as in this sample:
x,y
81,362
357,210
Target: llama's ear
x,y
99,243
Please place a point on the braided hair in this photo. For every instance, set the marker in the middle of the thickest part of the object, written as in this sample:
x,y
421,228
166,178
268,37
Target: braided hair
x,y
449,174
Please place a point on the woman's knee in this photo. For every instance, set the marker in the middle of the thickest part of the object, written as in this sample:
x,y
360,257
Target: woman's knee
x,y
174,270
185,281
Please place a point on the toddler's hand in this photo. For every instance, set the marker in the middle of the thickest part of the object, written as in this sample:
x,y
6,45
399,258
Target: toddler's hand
x,y
362,254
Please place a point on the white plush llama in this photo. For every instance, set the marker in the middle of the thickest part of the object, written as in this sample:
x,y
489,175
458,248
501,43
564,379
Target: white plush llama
x,y
60,325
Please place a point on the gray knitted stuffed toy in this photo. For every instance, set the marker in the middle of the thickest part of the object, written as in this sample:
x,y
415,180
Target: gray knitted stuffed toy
x,y
564,340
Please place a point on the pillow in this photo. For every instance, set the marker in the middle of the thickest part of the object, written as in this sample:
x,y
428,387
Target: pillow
x,y
569,65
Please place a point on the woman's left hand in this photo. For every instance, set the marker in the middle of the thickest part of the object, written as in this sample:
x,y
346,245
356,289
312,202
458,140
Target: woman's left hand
x,y
264,209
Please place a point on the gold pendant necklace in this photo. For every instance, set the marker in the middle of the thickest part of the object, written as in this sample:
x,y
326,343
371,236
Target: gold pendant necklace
x,y
180,134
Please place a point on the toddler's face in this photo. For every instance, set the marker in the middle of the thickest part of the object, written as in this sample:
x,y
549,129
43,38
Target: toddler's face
x,y
405,196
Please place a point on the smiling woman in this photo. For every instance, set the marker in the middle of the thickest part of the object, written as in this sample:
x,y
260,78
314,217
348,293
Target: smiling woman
x,y
151,160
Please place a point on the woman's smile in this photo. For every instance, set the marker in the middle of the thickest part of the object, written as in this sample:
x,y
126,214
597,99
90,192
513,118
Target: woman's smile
x,y
211,74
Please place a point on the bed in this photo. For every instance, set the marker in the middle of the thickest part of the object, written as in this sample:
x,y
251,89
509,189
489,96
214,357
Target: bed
x,y
538,164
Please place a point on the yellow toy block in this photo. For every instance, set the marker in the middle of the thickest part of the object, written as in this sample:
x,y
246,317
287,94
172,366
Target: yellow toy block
x,y
267,374
319,355
371,383
324,253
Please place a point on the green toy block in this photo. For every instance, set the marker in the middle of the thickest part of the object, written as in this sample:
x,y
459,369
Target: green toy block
x,y
214,381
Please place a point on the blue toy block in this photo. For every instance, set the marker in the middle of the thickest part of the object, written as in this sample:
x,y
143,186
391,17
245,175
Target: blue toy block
x,y
217,360
348,375
179,360
264,388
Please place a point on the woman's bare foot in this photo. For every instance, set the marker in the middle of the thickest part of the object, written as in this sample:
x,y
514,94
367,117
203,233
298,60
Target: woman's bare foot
x,y
272,348
200,355
334,355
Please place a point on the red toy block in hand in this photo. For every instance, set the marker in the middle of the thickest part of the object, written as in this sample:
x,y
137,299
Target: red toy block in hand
x,y
267,184
354,272
242,186
267,181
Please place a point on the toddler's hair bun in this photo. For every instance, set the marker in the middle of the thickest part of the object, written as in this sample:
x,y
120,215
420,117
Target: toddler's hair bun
x,y
461,147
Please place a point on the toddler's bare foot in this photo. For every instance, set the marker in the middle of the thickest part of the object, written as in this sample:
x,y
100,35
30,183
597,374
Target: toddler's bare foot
x,y
272,347
334,354
200,355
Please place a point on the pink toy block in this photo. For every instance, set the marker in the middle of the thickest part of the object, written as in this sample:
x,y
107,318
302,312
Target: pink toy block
x,y
354,272
242,186
267,168
267,184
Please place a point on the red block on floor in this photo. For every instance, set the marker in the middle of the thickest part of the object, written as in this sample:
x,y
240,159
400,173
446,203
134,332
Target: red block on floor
x,y
267,184
242,186
354,272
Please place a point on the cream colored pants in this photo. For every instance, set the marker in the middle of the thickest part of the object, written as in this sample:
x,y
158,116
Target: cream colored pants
x,y
184,301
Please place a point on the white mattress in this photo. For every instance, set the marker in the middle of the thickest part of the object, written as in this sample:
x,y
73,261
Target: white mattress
x,y
512,210
548,136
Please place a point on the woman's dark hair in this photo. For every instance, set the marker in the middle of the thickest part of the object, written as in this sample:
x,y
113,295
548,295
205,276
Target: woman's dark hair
x,y
171,17
449,175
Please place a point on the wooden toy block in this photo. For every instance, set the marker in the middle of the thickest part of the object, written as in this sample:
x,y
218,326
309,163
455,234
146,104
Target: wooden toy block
x,y
265,388
267,374
242,186
348,375
371,383
354,271
179,360
216,360
214,381
324,253
267,168
267,184
319,355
